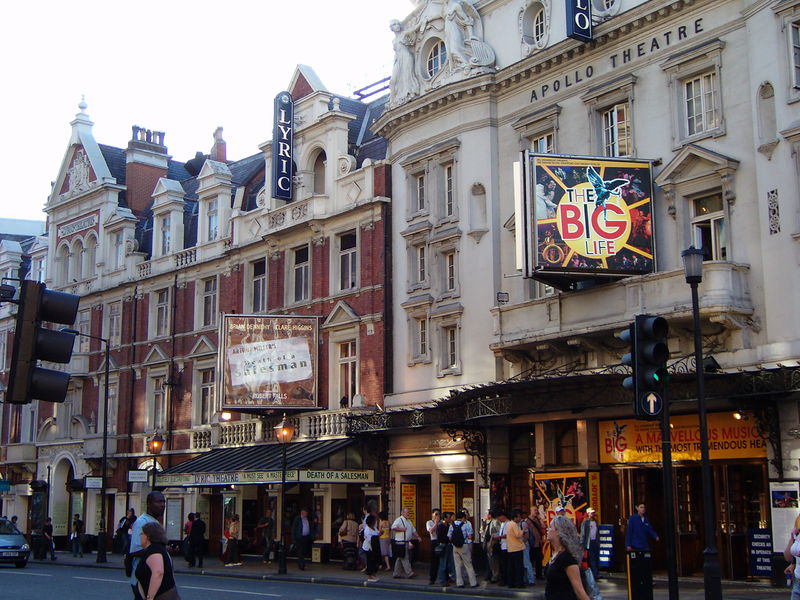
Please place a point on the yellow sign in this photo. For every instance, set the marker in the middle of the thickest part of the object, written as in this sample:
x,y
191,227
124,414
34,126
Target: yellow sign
x,y
448,493
632,441
408,499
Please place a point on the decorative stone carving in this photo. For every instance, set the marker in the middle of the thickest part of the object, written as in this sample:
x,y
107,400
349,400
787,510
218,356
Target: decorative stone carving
x,y
261,198
346,164
405,85
78,173
131,246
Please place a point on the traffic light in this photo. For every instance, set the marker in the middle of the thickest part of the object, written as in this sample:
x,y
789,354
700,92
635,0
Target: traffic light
x,y
32,342
647,336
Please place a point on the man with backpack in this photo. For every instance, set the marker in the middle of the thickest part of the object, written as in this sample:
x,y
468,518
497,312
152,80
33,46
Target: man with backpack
x,y
461,535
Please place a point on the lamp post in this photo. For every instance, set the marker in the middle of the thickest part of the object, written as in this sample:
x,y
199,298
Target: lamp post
x,y
284,432
154,446
101,534
693,269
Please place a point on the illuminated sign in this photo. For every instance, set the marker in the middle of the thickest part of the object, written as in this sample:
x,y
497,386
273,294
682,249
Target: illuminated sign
x,y
282,146
587,216
268,361
579,20
266,477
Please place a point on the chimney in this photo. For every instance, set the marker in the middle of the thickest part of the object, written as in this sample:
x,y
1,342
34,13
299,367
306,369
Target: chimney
x,y
218,150
146,161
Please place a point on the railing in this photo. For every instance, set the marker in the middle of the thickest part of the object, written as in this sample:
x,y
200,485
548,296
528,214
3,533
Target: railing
x,y
186,257
144,269
238,433
201,439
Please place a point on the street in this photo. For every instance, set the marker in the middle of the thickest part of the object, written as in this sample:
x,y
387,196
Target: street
x,y
67,581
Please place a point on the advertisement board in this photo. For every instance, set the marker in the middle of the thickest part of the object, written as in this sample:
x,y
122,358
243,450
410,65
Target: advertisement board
x,y
586,216
268,361
635,441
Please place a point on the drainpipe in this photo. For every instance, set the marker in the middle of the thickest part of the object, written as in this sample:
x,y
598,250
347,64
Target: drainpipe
x,y
132,391
171,383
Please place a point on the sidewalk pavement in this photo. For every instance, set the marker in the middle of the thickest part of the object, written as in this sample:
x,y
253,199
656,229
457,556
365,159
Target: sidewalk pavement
x,y
613,585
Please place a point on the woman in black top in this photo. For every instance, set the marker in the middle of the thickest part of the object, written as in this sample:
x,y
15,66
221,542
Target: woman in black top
x,y
563,573
154,573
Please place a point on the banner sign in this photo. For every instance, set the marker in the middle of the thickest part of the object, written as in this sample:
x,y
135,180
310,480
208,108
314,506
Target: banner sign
x,y
282,146
257,477
268,361
559,490
137,476
93,483
634,441
587,216
759,545
606,535
408,499
784,503
579,20
448,497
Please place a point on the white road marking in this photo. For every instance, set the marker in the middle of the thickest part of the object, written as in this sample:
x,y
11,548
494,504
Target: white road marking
x,y
100,579
24,573
229,591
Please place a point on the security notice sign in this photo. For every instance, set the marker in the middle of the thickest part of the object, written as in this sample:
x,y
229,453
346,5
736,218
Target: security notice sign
x,y
586,216
268,361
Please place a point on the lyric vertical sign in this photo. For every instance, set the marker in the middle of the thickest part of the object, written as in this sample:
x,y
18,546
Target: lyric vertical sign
x,y
579,20
282,146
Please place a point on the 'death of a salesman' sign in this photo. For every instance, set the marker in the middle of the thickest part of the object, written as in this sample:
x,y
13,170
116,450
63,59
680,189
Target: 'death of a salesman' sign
x,y
268,361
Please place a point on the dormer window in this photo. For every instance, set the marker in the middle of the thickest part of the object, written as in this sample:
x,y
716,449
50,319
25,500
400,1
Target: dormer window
x,y
212,219
119,250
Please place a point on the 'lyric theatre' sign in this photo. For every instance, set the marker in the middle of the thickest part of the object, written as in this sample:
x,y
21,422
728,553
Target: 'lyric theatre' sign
x,y
282,146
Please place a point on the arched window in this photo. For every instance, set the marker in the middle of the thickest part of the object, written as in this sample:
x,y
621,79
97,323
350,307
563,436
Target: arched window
x,y
319,172
436,59
767,123
62,265
90,256
76,261
534,26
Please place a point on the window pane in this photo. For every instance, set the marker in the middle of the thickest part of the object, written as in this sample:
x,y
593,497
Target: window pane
x,y
259,286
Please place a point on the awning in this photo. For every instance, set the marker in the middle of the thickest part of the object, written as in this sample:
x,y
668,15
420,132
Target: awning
x,y
263,464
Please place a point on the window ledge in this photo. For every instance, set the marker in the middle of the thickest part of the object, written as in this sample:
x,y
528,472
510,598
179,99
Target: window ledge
x,y
703,135
448,372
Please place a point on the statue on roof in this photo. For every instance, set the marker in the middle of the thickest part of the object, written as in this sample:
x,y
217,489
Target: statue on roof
x,y
404,84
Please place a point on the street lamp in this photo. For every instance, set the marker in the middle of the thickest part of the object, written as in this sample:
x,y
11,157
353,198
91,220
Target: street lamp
x,y
154,446
693,268
284,432
101,534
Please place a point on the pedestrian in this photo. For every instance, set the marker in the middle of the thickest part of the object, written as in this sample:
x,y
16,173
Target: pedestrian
x,y
590,540
502,517
186,546
47,531
385,540
154,513
535,537
637,542
302,537
371,546
267,530
403,531
14,520
563,571
515,546
197,540
447,566
491,544
348,536
154,575
791,554
461,535
76,536
232,557
430,527
124,530
530,577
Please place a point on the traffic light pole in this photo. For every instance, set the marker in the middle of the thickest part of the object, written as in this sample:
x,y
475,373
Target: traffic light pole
x,y
669,498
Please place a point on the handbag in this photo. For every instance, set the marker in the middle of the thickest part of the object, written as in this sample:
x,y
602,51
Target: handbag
x,y
399,549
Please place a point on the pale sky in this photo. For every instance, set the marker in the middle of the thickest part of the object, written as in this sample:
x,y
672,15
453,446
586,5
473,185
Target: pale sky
x,y
179,66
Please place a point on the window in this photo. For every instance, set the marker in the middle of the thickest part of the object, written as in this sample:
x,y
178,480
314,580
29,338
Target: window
x,y
3,350
534,27
119,250
212,218
420,264
259,271
112,411
76,261
319,173
209,300
449,347
28,428
419,192
566,443
348,370
709,227
159,403
450,271
796,53
63,262
348,261
436,58
422,337
300,274
543,144
702,112
114,323
90,257
207,395
162,312
38,269
165,235
84,326
449,196
617,130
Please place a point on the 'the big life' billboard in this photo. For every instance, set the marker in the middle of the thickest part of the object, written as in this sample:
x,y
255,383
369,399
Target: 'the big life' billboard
x,y
268,362
587,216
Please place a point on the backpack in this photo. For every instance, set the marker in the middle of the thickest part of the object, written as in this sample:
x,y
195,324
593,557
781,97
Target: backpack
x,y
458,536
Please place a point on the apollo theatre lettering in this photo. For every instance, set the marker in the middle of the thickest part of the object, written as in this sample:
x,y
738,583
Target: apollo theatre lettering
x,y
282,147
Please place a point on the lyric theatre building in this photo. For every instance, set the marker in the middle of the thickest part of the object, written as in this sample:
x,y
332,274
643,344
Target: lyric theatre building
x,y
510,371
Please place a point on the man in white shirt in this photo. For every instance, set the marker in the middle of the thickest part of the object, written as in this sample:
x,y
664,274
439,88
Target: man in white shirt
x,y
501,535
462,553
403,531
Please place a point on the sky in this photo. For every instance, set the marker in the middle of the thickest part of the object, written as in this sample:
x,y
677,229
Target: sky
x,y
184,67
